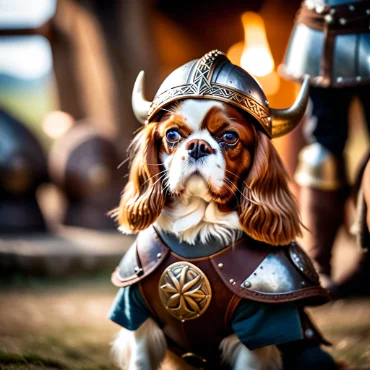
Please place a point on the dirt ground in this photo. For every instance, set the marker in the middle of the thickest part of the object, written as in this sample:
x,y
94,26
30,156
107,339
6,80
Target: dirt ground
x,y
63,325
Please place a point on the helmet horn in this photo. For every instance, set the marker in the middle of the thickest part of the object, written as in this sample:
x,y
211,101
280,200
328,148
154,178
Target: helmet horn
x,y
140,105
286,120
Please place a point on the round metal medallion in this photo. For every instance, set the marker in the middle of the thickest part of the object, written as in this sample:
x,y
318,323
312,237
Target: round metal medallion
x,y
303,262
185,291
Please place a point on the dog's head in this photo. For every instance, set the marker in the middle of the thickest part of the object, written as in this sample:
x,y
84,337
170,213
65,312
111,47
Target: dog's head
x,y
213,150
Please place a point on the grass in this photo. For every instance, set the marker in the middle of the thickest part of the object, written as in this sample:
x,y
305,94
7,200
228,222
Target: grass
x,y
69,348
56,323
28,360
62,324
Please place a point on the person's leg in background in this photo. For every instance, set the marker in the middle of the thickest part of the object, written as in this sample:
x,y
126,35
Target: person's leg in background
x,y
357,282
321,175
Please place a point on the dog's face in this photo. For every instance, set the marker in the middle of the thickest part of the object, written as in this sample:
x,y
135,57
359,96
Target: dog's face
x,y
208,149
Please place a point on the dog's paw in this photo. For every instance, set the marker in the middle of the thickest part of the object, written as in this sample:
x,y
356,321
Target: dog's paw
x,y
241,358
142,349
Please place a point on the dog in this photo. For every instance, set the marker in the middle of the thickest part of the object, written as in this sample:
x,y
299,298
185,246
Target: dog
x,y
203,173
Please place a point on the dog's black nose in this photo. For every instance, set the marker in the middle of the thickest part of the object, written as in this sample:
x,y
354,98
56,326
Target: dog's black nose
x,y
198,148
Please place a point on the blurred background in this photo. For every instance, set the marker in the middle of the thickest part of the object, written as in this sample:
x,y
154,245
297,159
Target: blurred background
x,y
67,68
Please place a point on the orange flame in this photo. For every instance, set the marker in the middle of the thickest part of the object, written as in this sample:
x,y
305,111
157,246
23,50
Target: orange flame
x,y
256,57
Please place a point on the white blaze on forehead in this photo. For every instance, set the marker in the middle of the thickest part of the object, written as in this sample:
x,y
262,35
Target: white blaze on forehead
x,y
194,111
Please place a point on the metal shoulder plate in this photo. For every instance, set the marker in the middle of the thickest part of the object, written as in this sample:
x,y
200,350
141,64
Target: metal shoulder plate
x,y
142,258
309,47
270,274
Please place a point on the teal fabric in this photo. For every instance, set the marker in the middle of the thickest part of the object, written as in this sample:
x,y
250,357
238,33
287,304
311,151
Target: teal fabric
x,y
129,308
256,324
261,324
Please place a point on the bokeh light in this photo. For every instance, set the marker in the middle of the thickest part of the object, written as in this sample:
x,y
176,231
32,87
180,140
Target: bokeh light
x,y
57,123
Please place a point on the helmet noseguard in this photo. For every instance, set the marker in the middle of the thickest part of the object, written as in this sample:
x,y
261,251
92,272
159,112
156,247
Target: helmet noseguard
x,y
214,77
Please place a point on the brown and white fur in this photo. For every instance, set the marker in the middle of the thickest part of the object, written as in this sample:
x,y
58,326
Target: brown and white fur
x,y
239,185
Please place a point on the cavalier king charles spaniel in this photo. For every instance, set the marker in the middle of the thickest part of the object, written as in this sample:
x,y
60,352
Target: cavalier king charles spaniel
x,y
203,170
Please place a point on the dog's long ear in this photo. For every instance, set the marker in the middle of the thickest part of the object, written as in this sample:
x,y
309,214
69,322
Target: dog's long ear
x,y
268,211
143,198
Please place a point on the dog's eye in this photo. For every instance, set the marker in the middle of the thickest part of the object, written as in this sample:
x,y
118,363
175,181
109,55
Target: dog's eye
x,y
230,138
173,136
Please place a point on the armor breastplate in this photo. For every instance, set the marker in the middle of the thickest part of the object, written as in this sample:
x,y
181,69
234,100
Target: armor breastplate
x,y
193,300
331,43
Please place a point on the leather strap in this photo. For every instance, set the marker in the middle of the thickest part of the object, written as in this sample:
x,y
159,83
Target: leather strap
x,y
230,310
341,19
237,262
195,360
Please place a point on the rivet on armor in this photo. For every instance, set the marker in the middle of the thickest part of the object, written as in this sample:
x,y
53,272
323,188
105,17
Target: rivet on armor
x,y
340,79
159,255
351,8
138,271
358,78
247,284
309,333
342,21
231,281
234,283
220,265
329,19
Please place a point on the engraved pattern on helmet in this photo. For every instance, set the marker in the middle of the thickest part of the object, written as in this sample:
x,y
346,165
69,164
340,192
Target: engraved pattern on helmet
x,y
201,86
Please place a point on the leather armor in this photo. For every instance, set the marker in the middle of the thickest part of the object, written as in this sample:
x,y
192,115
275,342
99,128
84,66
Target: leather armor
x,y
193,300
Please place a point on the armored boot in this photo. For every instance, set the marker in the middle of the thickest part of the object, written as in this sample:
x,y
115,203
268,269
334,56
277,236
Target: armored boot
x,y
322,198
322,214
